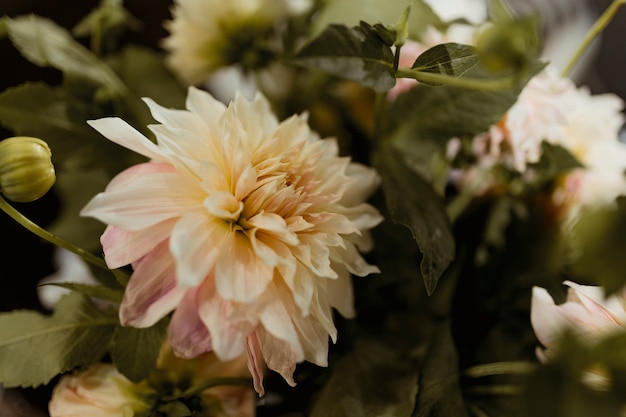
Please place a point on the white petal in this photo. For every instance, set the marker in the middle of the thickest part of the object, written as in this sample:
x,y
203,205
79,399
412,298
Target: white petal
x,y
120,132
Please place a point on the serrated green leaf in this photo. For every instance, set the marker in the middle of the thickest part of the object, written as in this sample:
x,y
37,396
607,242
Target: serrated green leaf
x,y
357,53
47,44
413,203
100,292
35,348
135,351
451,59
444,112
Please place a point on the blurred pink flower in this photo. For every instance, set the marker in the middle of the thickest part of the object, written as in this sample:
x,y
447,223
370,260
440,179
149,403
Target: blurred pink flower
x,y
248,228
586,313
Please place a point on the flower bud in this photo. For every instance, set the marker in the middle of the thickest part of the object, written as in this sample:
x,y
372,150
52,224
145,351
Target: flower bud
x,y
26,170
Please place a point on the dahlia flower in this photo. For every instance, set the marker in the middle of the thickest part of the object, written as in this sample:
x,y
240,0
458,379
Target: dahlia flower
x,y
206,35
586,313
249,229
99,391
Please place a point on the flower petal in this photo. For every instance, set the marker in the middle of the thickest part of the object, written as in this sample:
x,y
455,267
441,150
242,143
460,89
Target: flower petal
x,y
120,132
188,335
151,292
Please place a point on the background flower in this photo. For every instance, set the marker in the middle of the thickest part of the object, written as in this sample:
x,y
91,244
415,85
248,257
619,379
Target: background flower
x,y
248,227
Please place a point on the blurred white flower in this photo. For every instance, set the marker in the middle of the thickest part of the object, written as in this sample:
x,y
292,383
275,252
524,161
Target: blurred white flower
x,y
70,268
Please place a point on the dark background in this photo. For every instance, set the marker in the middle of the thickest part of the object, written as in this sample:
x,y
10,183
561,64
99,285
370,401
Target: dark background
x,y
24,259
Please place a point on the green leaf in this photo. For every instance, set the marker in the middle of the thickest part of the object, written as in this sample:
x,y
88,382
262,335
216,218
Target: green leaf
x,y
413,203
451,59
135,351
439,391
356,53
97,291
47,44
445,112
175,409
555,160
598,246
35,348
356,388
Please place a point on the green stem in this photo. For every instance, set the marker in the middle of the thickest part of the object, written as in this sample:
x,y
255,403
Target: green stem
x,y
500,368
44,234
210,383
469,83
595,30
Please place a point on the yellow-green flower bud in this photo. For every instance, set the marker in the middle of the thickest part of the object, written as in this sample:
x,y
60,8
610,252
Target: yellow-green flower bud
x,y
26,170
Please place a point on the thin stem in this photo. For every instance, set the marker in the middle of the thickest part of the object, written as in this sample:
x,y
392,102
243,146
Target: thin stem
x,y
210,383
469,83
44,234
500,368
595,30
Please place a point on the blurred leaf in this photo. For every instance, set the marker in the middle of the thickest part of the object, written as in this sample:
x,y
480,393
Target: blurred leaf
x,y
413,203
376,379
135,351
108,22
599,246
451,59
75,189
555,160
35,348
441,113
439,390
100,292
356,53
175,409
47,44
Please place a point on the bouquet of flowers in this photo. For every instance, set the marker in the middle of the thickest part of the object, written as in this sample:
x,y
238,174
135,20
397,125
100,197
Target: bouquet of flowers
x,y
317,207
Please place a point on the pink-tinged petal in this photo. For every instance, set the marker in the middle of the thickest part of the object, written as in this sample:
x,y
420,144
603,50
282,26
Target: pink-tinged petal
x,y
279,355
228,337
130,175
120,132
188,335
196,243
151,292
122,247
149,200
240,275
255,362
546,317
592,297
276,320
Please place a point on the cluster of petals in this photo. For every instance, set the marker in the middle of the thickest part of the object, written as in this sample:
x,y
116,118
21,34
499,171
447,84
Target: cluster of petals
x,y
555,110
587,313
247,228
204,34
99,391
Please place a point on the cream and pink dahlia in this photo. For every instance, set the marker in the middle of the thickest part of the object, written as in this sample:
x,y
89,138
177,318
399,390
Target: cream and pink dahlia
x,y
247,228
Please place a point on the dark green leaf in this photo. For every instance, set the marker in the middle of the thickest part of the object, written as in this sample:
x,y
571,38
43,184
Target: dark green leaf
x,y
175,409
356,53
376,379
35,348
47,44
451,59
445,112
135,351
412,202
599,246
439,391
555,161
97,291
